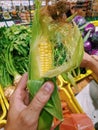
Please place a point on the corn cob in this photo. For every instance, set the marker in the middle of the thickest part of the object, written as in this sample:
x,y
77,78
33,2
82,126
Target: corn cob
x,y
46,35
41,60
45,53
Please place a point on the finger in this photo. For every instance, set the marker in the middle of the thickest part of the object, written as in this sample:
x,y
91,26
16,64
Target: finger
x,y
40,100
26,99
20,92
23,81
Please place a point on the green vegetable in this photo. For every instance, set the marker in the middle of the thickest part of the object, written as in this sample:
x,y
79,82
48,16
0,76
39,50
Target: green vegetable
x,y
47,38
17,52
53,107
5,79
14,48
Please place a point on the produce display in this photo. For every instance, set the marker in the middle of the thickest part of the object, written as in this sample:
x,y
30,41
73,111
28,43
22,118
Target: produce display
x,y
14,48
6,15
89,34
52,46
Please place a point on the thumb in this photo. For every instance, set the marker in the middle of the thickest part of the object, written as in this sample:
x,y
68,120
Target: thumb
x,y
40,99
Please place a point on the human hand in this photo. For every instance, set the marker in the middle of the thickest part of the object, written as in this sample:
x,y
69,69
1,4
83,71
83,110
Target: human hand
x,y
23,115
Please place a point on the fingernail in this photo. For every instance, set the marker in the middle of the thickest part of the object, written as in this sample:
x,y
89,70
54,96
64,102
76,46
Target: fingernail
x,y
48,87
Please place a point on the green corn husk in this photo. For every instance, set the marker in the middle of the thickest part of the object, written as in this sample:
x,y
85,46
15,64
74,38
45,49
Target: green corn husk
x,y
53,107
55,32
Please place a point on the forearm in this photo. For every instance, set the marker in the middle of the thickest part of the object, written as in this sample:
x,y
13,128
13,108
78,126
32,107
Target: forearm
x,y
90,62
93,65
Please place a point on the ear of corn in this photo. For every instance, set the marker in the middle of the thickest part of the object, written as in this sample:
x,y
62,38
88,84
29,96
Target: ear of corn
x,y
45,52
45,36
41,58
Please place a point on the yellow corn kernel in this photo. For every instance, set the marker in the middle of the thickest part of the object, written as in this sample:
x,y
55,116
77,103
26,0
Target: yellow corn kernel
x,y
45,52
